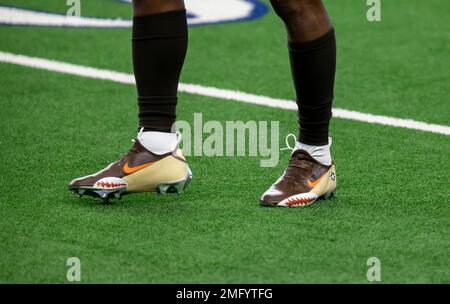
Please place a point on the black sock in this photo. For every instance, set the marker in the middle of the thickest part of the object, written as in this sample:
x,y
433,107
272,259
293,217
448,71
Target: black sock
x,y
159,48
313,66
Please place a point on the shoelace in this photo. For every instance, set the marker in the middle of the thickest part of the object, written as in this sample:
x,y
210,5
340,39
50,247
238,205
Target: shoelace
x,y
297,160
299,157
297,167
288,146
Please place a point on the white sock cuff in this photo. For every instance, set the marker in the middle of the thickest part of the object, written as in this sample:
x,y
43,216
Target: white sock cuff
x,y
320,153
159,142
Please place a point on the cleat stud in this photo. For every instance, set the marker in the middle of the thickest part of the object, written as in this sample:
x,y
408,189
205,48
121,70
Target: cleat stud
x,y
328,195
162,189
179,188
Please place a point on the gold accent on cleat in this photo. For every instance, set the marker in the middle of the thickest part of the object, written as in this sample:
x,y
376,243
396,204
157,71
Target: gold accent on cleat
x,y
168,170
327,183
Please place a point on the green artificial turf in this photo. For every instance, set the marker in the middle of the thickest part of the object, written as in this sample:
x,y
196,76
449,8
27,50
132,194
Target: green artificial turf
x,y
393,184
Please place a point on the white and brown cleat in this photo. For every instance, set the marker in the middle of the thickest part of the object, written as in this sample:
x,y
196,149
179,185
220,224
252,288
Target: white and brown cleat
x,y
138,171
303,182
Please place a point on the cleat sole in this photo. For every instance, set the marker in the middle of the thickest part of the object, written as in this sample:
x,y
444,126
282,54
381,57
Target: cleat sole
x,y
326,196
105,195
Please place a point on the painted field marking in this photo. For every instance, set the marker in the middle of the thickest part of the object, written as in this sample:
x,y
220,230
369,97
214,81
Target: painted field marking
x,y
85,71
199,12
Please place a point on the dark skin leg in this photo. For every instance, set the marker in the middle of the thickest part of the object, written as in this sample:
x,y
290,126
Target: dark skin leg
x,y
305,20
149,7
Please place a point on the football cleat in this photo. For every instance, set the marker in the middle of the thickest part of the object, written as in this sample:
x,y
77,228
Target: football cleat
x,y
139,170
303,182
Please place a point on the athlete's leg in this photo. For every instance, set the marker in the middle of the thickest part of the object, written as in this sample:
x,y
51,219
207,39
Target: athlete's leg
x,y
159,47
149,7
305,20
154,163
312,50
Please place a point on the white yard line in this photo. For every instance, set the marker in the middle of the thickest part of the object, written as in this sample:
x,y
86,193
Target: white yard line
x,y
72,69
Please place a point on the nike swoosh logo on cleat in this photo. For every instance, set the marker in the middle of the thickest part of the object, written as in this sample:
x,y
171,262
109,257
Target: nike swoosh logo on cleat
x,y
313,184
129,170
